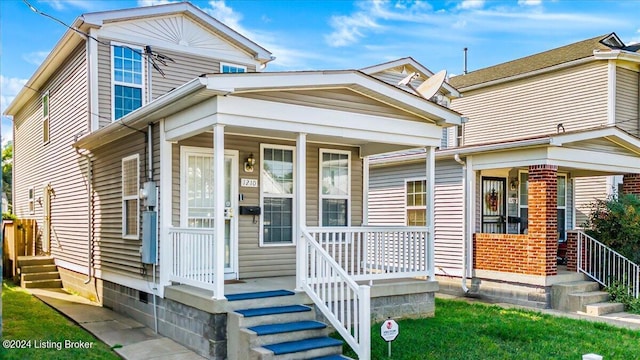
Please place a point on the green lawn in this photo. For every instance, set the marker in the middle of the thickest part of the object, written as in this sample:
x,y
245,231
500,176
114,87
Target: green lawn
x,y
35,326
477,331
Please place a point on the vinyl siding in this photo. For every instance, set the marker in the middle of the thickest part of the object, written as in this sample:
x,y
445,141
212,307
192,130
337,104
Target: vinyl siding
x,y
255,261
627,100
587,191
185,67
387,206
575,97
57,162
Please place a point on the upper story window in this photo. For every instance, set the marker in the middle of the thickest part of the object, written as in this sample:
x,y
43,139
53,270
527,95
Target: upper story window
x,y
128,80
232,68
45,118
335,187
459,135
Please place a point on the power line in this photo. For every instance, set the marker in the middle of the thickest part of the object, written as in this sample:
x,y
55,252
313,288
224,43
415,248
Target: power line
x,y
152,57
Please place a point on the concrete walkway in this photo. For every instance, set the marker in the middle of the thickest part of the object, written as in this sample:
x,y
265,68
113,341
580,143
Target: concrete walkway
x,y
131,339
622,319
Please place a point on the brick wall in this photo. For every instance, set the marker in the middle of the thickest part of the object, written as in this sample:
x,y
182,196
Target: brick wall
x,y
543,218
502,252
631,184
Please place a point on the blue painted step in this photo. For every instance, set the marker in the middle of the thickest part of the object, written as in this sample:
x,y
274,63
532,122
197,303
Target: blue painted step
x,y
258,295
287,327
302,345
273,310
332,357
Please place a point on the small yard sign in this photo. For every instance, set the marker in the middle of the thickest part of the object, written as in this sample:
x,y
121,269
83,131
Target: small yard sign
x,y
389,332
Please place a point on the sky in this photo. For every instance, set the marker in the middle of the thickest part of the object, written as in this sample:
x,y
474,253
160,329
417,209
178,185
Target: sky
x,y
342,34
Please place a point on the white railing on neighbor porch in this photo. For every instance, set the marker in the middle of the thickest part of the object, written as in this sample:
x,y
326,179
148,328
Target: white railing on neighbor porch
x,y
344,303
193,256
606,266
374,253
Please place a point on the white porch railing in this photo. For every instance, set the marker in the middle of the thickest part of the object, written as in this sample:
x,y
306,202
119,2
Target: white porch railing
x,y
374,253
606,266
344,303
193,257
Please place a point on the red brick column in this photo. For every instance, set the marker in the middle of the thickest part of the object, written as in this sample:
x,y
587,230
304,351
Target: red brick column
x,y
572,251
631,184
543,218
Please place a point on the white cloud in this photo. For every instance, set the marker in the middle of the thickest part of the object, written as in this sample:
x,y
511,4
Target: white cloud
x,y
349,29
36,58
529,2
63,4
471,4
219,10
9,88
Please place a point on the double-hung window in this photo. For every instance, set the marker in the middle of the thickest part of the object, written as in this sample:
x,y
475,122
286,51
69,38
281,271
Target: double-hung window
x,y
561,205
232,69
277,194
45,118
416,202
335,187
32,195
130,198
128,80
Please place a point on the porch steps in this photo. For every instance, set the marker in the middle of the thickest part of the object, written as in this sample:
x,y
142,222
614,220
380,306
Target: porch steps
x,y
333,357
283,332
583,296
38,272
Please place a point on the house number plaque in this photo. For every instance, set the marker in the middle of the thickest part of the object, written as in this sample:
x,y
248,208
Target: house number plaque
x,y
253,183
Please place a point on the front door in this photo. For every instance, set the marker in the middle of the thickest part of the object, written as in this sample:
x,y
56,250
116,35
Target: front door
x,y
493,205
197,201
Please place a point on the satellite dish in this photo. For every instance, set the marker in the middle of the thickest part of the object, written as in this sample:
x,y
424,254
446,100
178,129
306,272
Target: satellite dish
x,y
407,80
431,86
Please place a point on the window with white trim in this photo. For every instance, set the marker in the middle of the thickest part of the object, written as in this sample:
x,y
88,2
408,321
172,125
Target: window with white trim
x,y
335,187
127,79
226,68
32,195
130,198
277,186
561,204
416,202
45,118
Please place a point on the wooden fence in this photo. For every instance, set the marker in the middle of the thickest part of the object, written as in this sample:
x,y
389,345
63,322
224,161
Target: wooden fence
x,y
19,240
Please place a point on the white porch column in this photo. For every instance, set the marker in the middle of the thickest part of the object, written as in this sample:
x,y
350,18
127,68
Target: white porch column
x,y
300,195
430,213
470,213
165,210
218,213
365,191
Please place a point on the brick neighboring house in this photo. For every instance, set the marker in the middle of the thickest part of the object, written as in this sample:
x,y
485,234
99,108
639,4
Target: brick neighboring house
x,y
546,135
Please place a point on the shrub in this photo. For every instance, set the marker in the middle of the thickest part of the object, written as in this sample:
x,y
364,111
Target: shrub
x,y
622,294
8,216
616,223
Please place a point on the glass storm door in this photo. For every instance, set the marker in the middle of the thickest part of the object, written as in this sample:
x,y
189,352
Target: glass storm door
x,y
198,200
493,205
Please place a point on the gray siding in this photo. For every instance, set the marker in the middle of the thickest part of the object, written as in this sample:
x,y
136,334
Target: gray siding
x,y
256,261
56,162
627,100
575,97
387,206
185,68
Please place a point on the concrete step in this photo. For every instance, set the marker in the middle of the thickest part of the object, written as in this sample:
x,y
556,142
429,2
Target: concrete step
x,y
29,269
303,349
273,315
35,260
46,283
284,332
560,293
603,308
40,276
293,299
333,357
578,301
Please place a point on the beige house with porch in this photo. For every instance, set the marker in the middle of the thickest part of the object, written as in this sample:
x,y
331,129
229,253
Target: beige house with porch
x,y
211,194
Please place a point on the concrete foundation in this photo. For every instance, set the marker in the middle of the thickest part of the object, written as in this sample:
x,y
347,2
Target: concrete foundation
x,y
74,282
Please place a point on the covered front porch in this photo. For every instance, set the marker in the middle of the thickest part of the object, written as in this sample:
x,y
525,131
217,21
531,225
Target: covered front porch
x,y
523,197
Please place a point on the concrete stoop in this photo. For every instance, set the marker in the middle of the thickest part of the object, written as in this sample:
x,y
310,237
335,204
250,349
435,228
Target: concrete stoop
x,y
498,292
583,296
278,328
38,272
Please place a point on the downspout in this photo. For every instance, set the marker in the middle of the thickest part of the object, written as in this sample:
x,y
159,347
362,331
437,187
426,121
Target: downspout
x,y
90,213
465,235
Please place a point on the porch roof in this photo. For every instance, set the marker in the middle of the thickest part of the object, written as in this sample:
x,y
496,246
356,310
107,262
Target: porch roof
x,y
245,101
596,151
